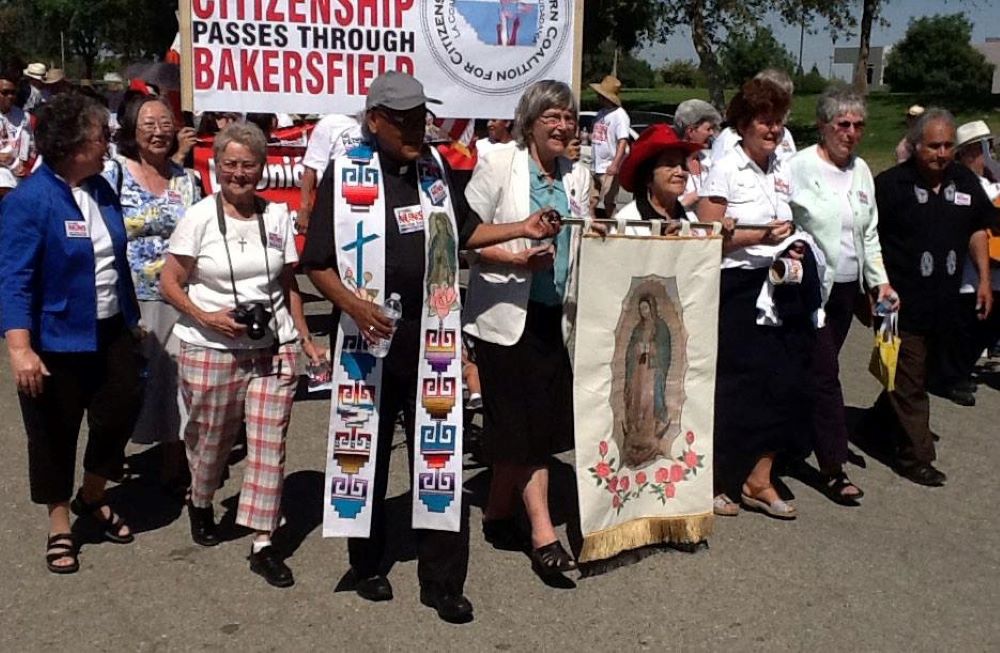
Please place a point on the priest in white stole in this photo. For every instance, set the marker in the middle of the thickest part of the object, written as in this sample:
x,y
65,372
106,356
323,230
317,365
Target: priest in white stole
x,y
387,220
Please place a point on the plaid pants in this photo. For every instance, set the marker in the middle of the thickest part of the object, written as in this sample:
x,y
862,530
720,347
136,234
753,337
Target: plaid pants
x,y
222,389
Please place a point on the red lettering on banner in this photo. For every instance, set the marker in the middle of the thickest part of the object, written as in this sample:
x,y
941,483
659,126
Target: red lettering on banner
x,y
293,71
270,71
204,76
404,65
248,64
402,6
273,13
319,10
345,15
365,72
371,8
227,72
334,71
295,14
314,62
203,8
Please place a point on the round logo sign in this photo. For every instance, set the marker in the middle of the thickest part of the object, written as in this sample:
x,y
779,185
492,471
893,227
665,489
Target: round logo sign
x,y
497,47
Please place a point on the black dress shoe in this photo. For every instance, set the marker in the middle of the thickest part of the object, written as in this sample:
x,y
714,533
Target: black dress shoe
x,y
504,535
453,608
959,396
967,385
376,588
923,474
203,529
268,563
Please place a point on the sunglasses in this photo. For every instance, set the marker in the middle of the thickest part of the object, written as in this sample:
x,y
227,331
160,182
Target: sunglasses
x,y
9,93
844,125
407,119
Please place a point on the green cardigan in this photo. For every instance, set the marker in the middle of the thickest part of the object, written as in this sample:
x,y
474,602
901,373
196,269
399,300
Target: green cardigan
x,y
815,209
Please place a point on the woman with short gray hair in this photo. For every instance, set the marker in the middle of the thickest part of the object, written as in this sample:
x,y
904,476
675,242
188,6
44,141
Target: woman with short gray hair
x,y
833,199
514,311
696,121
229,273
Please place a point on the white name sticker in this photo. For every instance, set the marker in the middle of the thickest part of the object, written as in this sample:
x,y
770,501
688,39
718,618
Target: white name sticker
x,y
963,199
77,229
409,219
275,241
863,197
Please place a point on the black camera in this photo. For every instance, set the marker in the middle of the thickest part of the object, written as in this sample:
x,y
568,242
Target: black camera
x,y
254,317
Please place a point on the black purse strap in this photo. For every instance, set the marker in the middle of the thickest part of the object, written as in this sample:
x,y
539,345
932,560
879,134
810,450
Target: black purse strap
x,y
260,205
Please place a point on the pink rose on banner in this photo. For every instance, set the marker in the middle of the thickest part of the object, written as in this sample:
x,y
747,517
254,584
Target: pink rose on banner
x,y
670,490
616,501
613,483
442,299
690,459
640,478
603,470
623,485
603,448
689,437
662,475
676,473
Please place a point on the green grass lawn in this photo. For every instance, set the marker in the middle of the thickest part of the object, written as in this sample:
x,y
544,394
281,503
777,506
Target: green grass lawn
x,y
885,122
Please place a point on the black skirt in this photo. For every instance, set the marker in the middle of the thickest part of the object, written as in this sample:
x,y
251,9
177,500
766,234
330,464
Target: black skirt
x,y
761,393
527,392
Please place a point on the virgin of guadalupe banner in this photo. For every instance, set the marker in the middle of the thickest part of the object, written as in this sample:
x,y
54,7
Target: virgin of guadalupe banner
x,y
359,226
643,391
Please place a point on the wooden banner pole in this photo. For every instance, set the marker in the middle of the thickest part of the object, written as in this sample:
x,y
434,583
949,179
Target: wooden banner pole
x,y
187,67
577,49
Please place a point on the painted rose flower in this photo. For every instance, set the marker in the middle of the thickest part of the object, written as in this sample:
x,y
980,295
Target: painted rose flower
x,y
603,448
676,473
616,501
613,483
689,437
670,490
441,300
640,478
662,475
690,459
603,470
623,485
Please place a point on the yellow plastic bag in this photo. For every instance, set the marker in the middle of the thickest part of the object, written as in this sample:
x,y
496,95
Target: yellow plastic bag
x,y
886,352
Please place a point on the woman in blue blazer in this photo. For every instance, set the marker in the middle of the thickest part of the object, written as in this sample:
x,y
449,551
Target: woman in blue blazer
x,y
68,312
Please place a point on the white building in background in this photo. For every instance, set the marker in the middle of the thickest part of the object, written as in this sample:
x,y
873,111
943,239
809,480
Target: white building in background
x,y
847,58
991,50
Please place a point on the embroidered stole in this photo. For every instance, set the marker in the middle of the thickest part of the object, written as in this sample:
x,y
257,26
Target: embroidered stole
x,y
359,227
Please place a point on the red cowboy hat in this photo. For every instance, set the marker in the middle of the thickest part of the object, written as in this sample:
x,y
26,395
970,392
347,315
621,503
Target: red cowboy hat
x,y
654,140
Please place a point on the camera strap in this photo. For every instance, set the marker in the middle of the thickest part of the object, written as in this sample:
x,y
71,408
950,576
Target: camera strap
x,y
260,205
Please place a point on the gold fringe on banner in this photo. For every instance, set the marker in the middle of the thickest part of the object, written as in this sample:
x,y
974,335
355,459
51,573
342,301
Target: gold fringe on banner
x,y
689,529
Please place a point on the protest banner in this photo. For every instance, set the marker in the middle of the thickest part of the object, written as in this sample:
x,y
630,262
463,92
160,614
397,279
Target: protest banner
x,y
643,391
320,56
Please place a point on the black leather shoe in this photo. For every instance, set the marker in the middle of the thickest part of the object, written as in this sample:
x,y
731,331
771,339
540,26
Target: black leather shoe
x,y
203,529
960,396
504,535
923,474
967,385
376,588
269,564
453,608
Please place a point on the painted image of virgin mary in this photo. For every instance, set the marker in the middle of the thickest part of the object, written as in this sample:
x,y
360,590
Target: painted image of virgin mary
x,y
647,363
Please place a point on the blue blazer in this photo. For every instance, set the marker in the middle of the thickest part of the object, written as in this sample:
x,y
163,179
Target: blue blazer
x,y
46,278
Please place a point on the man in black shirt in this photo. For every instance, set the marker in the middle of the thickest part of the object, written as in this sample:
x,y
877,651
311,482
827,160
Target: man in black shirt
x,y
394,124
932,213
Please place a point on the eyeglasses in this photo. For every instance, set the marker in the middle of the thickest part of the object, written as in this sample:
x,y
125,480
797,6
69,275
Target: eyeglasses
x,y
150,127
232,165
407,120
9,92
553,118
844,125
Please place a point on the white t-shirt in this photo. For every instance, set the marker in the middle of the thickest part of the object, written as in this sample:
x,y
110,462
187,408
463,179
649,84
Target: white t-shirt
x,y
332,137
695,182
209,286
484,145
105,274
753,196
840,181
729,137
970,277
609,128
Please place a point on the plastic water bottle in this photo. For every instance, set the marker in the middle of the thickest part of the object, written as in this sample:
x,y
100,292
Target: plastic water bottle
x,y
392,309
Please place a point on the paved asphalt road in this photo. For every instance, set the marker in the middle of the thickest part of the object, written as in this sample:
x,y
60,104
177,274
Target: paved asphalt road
x,y
914,569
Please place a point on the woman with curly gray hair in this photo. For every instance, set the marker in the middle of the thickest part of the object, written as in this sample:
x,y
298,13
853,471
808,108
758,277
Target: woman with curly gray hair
x,y
514,312
229,273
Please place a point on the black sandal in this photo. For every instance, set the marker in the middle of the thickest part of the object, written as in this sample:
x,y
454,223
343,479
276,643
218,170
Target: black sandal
x,y
504,535
551,559
834,486
111,525
56,548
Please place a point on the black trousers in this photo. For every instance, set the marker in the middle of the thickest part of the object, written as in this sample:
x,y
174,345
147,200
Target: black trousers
x,y
903,415
104,385
442,556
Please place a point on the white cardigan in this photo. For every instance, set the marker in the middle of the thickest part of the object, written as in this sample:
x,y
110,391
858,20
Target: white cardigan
x,y
500,192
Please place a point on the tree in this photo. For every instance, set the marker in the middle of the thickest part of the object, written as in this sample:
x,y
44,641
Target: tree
x,y
869,11
746,54
682,72
632,72
935,57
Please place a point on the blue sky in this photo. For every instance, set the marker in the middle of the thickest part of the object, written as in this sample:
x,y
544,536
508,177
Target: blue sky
x,y
818,48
